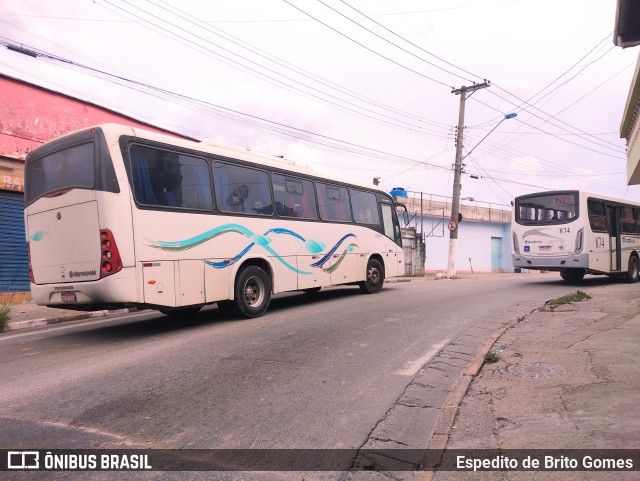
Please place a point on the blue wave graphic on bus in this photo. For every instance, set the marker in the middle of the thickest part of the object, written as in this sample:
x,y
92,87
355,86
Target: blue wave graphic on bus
x,y
262,240
326,257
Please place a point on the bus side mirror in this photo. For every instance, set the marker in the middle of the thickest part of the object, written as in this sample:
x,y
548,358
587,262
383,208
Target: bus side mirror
x,y
405,214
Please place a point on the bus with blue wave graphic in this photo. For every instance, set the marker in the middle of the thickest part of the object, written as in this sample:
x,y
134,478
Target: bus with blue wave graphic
x,y
118,216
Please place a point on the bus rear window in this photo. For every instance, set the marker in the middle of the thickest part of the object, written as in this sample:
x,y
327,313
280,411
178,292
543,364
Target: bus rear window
x,y
73,167
556,208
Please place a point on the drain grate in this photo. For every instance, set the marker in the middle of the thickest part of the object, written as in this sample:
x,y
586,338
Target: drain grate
x,y
536,370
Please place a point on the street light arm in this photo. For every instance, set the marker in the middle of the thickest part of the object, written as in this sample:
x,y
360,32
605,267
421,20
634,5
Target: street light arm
x,y
506,117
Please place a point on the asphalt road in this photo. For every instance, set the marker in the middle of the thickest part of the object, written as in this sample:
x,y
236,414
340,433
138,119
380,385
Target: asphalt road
x,y
316,371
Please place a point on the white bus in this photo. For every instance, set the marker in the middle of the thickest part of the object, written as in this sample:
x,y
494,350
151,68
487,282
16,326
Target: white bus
x,y
118,216
576,233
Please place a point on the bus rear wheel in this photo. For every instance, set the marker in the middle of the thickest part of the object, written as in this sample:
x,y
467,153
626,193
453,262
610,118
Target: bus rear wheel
x,y
252,292
375,277
572,274
633,274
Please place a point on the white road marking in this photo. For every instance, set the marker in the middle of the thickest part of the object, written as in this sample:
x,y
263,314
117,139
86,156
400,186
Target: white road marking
x,y
411,368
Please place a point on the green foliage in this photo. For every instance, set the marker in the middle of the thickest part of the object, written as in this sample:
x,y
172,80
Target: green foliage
x,y
568,299
5,315
491,357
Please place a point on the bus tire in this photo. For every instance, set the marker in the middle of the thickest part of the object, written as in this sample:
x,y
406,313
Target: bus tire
x,y
572,274
633,274
252,292
375,277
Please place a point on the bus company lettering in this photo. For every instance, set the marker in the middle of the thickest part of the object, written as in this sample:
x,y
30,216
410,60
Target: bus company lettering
x,y
82,273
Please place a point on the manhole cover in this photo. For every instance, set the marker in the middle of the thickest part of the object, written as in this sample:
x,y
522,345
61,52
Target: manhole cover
x,y
536,370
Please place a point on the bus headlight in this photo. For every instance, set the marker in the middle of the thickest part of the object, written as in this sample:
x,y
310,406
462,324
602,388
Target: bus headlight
x,y
516,246
579,243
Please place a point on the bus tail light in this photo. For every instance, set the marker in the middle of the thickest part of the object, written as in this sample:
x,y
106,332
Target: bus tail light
x,y
110,262
516,245
579,243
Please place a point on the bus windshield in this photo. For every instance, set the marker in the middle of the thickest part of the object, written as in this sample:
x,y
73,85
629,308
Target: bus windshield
x,y
547,209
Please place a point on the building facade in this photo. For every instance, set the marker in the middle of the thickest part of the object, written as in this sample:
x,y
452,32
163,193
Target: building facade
x,y
627,34
30,116
484,235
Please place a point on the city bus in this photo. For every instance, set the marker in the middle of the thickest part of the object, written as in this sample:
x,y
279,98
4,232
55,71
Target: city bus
x,y
576,233
118,216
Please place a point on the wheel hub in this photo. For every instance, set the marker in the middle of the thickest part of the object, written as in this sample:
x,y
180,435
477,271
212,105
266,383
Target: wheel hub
x,y
254,291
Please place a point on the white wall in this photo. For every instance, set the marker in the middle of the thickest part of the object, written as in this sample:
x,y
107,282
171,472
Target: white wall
x,y
474,241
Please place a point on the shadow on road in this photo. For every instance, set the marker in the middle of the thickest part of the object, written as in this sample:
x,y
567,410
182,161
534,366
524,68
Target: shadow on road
x,y
151,323
588,281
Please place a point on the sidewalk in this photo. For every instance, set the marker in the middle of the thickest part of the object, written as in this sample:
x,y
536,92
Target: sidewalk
x,y
28,315
565,379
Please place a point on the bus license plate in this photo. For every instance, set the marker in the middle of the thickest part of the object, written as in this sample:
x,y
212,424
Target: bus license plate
x,y
68,297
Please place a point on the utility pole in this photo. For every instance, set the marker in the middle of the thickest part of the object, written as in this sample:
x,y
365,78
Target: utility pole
x,y
458,167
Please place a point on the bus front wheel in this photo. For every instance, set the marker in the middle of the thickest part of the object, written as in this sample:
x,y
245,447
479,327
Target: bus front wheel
x,y
252,292
633,274
375,277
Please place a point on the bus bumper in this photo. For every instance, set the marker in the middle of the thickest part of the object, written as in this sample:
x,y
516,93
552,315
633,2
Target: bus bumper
x,y
551,263
116,289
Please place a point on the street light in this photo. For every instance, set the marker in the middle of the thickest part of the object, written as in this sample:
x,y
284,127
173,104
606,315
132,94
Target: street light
x,y
506,117
457,186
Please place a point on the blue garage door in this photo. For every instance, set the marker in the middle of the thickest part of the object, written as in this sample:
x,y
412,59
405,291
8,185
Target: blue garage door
x,y
496,254
14,263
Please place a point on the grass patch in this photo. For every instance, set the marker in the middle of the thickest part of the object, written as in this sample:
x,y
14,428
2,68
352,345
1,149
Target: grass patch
x,y
5,315
491,357
568,299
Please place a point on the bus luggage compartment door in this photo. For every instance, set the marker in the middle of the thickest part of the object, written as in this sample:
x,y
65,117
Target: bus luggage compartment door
x,y
173,283
159,283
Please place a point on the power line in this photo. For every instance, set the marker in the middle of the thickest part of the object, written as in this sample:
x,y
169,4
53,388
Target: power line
x,y
493,93
256,50
390,42
367,48
550,133
256,120
410,43
309,91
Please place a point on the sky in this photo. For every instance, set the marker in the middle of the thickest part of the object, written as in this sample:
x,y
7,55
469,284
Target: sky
x,y
357,88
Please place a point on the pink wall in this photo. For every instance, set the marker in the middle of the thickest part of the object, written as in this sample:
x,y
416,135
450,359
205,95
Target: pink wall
x,y
30,116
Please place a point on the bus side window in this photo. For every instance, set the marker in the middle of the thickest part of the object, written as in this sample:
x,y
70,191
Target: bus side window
x,y
241,189
597,216
294,197
333,202
628,222
365,207
163,178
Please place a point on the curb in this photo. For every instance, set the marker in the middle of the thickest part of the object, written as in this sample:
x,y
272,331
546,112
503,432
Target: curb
x,y
31,323
444,424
